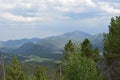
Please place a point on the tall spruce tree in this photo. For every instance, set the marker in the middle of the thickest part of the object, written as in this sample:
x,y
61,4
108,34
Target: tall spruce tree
x,y
67,52
112,47
88,51
68,49
14,71
86,48
112,39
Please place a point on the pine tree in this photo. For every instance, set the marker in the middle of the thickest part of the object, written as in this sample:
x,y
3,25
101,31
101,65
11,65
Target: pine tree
x,y
112,39
40,73
88,51
68,49
96,55
86,48
81,64
112,47
14,71
81,68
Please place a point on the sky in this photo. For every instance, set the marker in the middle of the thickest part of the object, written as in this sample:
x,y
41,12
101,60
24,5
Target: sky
x,y
43,18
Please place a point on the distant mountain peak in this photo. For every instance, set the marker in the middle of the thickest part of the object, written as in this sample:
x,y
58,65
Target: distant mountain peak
x,y
77,33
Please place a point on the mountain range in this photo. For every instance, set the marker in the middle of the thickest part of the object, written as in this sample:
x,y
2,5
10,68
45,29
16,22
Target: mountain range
x,y
49,44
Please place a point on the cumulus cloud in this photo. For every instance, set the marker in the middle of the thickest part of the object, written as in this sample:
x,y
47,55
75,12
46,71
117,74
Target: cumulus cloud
x,y
25,5
109,8
18,18
7,6
76,6
74,3
41,10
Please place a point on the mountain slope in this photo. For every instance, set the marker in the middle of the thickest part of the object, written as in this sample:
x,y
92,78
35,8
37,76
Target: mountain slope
x,y
18,43
50,44
61,40
97,41
1,44
28,48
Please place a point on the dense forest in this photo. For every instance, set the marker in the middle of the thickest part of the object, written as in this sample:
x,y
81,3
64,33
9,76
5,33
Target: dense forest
x,y
79,61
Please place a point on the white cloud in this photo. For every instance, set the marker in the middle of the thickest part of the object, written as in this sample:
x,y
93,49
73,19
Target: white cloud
x,y
38,4
74,3
17,18
76,6
7,6
61,17
90,3
52,10
70,9
105,6
25,5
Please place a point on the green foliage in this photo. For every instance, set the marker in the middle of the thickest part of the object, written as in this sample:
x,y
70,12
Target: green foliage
x,y
86,48
14,71
81,62
80,68
112,41
68,49
88,51
112,47
58,77
31,78
40,73
96,55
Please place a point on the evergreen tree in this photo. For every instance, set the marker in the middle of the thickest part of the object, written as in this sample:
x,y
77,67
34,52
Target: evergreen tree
x,y
88,51
112,39
81,68
14,71
40,73
96,55
81,64
112,47
68,49
86,48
